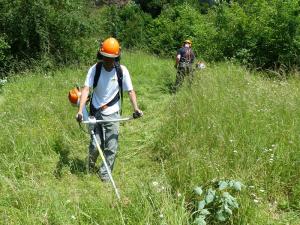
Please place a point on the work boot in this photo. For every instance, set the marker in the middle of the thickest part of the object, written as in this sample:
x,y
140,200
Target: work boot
x,y
103,178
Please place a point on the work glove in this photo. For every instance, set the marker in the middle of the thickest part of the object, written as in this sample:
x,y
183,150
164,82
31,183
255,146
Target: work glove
x,y
79,117
137,114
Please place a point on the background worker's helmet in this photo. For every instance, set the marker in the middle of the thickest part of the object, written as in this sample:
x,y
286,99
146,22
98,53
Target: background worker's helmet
x,y
74,96
110,48
188,42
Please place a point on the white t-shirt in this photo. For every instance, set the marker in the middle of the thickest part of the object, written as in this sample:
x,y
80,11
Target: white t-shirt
x,y
107,87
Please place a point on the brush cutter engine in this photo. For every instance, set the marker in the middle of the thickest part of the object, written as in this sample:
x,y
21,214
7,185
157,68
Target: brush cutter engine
x,y
74,96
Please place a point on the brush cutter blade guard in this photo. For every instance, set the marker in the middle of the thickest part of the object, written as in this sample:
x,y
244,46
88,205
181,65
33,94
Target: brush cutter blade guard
x,y
74,96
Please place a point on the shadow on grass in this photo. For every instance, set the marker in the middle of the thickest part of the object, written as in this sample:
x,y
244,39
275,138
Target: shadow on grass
x,y
168,88
75,165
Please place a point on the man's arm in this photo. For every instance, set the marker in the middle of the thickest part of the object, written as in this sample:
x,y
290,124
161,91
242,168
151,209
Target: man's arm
x,y
83,99
178,56
132,97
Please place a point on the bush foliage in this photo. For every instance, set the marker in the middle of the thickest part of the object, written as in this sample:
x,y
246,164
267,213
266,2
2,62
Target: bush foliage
x,y
260,33
32,29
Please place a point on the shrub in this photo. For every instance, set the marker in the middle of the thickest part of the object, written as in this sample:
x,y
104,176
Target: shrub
x,y
167,32
128,24
259,33
35,29
214,202
4,47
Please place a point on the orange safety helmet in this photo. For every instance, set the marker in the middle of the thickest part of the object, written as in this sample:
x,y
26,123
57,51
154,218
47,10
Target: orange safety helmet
x,y
110,48
74,95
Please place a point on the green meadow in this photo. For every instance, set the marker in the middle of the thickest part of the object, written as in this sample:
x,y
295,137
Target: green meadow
x,y
229,125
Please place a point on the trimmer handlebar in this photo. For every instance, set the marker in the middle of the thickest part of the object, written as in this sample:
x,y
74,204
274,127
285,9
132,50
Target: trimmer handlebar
x,y
92,120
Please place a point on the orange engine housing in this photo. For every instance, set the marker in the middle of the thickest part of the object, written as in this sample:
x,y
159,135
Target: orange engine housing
x,y
74,96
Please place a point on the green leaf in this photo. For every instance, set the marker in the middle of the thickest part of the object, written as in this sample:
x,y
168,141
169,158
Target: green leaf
x,y
198,190
231,201
231,183
227,210
204,212
220,215
201,204
223,185
200,220
210,196
237,186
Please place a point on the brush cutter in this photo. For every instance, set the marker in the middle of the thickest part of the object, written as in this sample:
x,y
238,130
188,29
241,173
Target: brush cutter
x,y
91,122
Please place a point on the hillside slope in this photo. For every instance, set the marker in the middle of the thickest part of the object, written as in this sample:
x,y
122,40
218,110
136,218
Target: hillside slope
x,y
213,129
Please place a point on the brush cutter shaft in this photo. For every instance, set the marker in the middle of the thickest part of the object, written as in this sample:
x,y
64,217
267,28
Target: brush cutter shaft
x,y
106,166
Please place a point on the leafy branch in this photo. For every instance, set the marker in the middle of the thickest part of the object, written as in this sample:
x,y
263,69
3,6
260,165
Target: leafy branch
x,y
215,201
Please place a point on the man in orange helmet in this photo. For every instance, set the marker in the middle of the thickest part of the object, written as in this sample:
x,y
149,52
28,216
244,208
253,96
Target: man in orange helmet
x,y
108,79
184,63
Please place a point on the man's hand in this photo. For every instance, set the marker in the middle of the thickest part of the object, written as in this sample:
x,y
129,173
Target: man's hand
x,y
137,114
79,117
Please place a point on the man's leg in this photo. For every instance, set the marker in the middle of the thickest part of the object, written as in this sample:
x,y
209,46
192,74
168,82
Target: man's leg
x,y
179,77
111,134
190,74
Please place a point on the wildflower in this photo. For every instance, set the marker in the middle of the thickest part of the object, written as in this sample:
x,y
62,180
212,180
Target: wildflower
x,y
161,216
73,217
155,183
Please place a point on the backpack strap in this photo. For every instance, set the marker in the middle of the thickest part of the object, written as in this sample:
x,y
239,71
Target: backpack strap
x,y
120,79
97,74
188,55
120,82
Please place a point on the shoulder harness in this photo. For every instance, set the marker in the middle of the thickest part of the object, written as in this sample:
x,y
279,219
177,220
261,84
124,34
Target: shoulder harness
x,y
119,71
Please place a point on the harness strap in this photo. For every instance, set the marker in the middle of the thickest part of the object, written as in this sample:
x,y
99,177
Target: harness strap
x,y
120,83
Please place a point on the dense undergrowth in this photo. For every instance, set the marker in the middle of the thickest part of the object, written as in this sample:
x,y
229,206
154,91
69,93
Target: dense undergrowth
x,y
261,34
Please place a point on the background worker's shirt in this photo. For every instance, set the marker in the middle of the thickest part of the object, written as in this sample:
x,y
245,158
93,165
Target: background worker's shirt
x,y
107,87
186,54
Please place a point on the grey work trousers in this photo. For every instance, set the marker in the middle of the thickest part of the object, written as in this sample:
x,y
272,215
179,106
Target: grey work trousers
x,y
107,137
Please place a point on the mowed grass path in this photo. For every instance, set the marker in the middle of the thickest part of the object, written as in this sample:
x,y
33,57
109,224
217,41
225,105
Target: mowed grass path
x,y
43,178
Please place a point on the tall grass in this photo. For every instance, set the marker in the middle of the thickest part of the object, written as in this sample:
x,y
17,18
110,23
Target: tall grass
x,y
231,124
228,124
